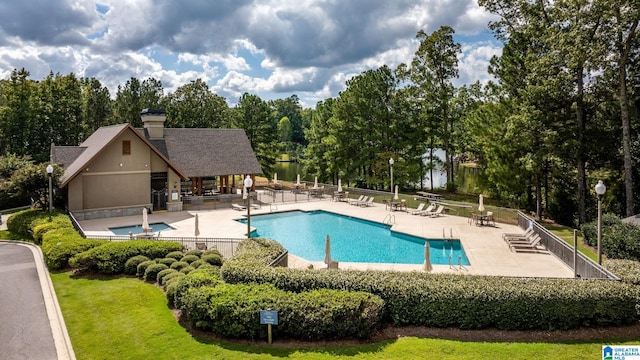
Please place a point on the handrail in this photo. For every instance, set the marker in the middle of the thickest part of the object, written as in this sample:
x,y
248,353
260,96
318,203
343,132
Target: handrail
x,y
585,267
391,217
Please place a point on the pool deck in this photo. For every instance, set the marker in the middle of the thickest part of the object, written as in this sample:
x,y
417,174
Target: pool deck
x,y
485,249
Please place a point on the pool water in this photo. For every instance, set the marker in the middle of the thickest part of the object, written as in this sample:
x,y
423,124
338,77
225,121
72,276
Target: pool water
x,y
352,240
137,229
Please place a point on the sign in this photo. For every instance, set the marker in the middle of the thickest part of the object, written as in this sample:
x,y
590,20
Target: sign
x,y
268,317
630,352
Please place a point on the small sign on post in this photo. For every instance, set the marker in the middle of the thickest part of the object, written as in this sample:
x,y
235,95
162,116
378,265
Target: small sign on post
x,y
269,317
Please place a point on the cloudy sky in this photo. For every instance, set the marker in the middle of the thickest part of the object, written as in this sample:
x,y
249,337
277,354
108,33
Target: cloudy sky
x,y
270,48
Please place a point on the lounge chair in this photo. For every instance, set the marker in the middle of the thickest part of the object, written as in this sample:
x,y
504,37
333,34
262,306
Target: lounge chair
x,y
352,201
424,212
360,202
533,245
519,237
436,213
238,207
367,203
418,209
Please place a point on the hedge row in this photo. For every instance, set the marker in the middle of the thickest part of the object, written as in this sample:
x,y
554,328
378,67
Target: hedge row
x,y
619,240
233,311
450,300
110,257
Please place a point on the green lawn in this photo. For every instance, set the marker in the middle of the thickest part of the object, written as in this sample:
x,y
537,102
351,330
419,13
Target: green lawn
x,y
125,318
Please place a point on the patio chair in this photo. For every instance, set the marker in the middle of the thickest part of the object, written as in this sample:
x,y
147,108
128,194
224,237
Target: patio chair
x,y
436,213
418,209
514,236
238,207
352,201
367,203
360,202
426,211
533,245
490,219
201,246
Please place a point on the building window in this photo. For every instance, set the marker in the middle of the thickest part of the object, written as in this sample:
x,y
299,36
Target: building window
x,y
126,147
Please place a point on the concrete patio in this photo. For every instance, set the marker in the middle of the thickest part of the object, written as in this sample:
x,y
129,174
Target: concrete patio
x,y
488,254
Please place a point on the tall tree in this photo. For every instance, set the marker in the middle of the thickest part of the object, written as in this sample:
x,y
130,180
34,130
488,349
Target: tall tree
x,y
433,67
194,106
17,113
252,114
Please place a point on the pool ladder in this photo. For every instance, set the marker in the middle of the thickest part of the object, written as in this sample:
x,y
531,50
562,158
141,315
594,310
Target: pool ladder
x,y
389,219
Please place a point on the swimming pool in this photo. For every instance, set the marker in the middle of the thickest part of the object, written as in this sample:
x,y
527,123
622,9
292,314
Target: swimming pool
x,y
352,240
137,229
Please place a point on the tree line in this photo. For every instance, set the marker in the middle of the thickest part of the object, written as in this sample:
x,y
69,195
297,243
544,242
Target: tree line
x,y
561,114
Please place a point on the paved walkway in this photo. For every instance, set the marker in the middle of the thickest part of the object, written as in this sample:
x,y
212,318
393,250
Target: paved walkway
x,y
487,252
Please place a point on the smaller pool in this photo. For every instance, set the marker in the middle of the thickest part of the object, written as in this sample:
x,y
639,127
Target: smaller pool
x,y
137,229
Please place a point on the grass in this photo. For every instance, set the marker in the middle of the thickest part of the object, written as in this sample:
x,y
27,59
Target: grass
x,y
125,318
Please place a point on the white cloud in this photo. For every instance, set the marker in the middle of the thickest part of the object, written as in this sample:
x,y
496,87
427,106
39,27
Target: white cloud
x,y
268,47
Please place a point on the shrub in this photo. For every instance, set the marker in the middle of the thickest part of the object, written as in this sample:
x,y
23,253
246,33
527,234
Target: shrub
x,y
21,223
110,257
163,273
190,258
196,264
211,252
172,275
175,255
131,266
195,252
41,226
151,272
60,245
212,259
230,311
142,268
195,279
468,302
179,265
619,240
187,269
167,261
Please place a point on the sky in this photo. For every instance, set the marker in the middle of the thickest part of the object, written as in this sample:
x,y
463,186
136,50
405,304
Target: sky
x,y
270,48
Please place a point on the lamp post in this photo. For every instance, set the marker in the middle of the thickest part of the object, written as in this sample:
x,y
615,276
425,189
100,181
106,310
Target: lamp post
x,y
391,164
50,174
600,189
248,183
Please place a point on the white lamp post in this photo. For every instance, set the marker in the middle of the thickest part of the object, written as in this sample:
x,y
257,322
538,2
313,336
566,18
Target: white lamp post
x,y
248,183
600,189
50,174
391,164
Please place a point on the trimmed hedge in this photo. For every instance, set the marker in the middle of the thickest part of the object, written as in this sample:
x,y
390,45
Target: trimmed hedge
x,y
212,259
110,257
179,265
195,279
233,311
152,271
167,261
60,245
131,266
162,274
22,222
142,268
172,275
619,240
175,255
190,258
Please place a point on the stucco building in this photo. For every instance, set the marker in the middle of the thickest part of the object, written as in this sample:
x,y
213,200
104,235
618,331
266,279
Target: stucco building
x,y
119,170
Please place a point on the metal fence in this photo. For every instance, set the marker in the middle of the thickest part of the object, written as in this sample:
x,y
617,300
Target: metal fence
x,y
584,267
226,246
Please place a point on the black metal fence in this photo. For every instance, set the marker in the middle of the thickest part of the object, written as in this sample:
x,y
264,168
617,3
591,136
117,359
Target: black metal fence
x,y
584,267
226,246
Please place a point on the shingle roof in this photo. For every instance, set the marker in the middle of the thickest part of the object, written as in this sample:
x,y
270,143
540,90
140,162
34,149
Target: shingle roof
x,y
65,155
93,146
209,152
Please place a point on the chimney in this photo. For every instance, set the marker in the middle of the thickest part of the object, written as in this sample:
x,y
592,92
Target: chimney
x,y
153,120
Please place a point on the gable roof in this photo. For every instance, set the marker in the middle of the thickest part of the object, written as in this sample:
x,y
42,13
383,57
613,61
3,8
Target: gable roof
x,y
208,152
92,147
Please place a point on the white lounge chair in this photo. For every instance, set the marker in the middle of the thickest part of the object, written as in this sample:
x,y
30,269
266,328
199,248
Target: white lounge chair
x,y
533,245
367,203
507,236
418,209
352,201
360,202
436,213
238,207
426,211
